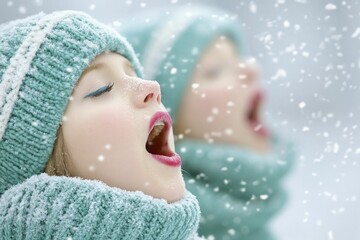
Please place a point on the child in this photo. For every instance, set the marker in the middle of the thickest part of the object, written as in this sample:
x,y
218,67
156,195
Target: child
x,y
232,163
73,105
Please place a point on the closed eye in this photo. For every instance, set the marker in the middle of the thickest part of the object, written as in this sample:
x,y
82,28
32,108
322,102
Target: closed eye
x,y
214,72
100,91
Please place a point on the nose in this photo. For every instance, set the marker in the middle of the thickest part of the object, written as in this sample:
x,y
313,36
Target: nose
x,y
147,93
249,72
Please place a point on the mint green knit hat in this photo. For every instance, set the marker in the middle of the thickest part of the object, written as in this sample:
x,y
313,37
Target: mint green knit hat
x,y
41,59
169,43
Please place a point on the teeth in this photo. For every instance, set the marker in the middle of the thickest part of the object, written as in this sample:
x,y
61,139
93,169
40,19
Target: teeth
x,y
159,123
158,127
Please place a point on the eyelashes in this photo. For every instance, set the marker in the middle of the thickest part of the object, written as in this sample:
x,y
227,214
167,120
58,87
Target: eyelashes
x,y
214,72
100,91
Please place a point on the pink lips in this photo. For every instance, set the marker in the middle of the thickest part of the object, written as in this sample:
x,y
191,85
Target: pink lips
x,y
254,122
174,159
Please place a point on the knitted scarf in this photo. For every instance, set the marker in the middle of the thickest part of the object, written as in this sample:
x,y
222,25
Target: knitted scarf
x,y
65,208
238,190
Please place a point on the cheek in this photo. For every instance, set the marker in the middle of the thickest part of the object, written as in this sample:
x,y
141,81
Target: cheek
x,y
220,109
91,133
225,101
214,102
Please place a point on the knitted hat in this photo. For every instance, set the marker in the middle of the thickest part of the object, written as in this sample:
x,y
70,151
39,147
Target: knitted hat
x,y
41,59
169,44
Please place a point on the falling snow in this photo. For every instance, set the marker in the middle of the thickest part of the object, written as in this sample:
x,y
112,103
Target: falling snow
x,y
253,7
281,73
173,71
231,231
39,2
92,7
330,6
356,33
22,10
309,60
195,85
264,197
302,105
286,24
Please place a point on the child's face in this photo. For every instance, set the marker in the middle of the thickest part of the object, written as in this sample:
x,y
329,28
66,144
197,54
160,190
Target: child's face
x,y
107,126
223,100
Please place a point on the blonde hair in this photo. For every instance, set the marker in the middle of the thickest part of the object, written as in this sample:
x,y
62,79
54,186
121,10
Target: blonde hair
x,y
57,164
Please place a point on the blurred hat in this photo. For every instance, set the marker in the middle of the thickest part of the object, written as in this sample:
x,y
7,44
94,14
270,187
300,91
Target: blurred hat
x,y
169,43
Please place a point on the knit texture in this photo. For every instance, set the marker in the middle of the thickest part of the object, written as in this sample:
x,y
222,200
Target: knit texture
x,y
169,45
61,208
239,191
41,59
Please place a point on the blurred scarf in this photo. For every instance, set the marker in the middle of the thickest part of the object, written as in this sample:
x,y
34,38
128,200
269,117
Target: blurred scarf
x,y
239,191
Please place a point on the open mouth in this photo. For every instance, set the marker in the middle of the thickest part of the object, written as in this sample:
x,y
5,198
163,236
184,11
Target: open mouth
x,y
253,115
157,142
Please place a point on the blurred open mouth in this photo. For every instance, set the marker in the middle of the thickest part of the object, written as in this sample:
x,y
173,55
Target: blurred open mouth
x,y
253,115
157,142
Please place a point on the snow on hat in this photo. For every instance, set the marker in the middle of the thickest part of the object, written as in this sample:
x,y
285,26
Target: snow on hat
x,y
169,44
41,59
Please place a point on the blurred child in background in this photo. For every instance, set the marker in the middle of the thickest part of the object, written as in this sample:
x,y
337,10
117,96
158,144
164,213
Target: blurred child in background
x,y
232,162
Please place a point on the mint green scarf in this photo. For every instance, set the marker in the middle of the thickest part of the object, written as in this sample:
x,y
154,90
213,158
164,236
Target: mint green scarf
x,y
239,191
45,207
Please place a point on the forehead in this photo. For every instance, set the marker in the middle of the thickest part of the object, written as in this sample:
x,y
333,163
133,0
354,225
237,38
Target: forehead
x,y
221,47
111,58
110,62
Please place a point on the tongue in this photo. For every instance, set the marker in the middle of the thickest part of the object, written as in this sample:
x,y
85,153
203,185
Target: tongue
x,y
259,129
158,146
155,146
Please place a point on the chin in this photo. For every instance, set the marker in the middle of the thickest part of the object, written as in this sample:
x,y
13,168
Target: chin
x,y
259,145
248,139
174,192
174,198
171,189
